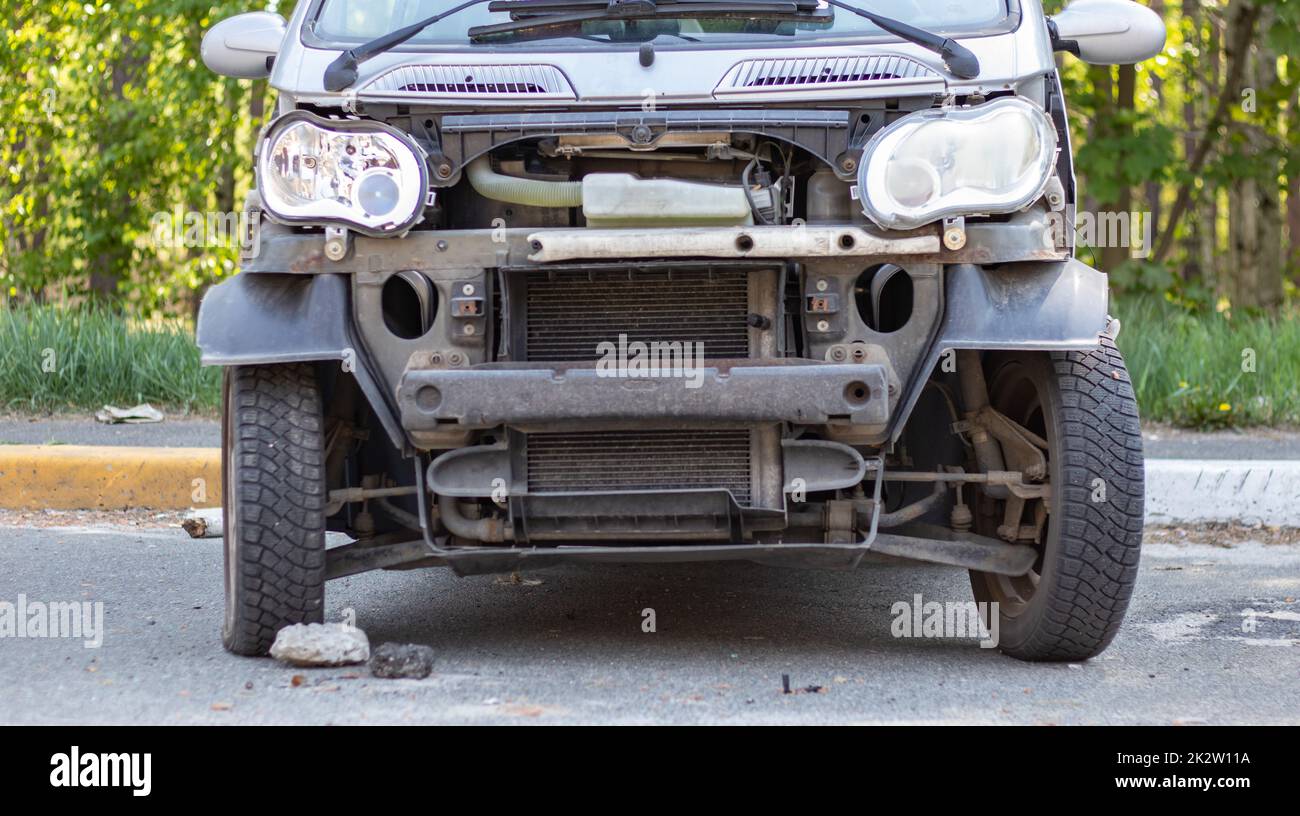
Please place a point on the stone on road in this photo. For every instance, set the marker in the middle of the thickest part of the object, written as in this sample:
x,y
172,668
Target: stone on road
x,y
321,644
396,660
1212,636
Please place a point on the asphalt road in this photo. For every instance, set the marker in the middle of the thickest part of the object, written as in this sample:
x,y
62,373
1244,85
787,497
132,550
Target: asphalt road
x,y
1162,442
572,649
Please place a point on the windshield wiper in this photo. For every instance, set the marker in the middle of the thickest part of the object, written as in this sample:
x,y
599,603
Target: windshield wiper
x,y
958,59
342,72
539,15
520,9
536,15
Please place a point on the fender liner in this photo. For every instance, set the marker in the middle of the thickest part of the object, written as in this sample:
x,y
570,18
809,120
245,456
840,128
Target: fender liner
x,y
269,318
1047,306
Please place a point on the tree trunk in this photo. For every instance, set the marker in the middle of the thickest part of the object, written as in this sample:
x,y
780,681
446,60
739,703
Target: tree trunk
x,y
1154,190
1255,229
110,262
1116,253
1193,264
1238,42
1238,283
1269,275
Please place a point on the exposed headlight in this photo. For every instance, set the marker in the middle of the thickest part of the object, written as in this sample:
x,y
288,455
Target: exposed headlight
x,y
994,158
364,175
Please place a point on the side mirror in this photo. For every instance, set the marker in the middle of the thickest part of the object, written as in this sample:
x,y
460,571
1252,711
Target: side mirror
x,y
244,46
1108,32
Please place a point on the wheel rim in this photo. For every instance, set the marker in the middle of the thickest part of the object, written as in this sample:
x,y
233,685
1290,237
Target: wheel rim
x,y
1016,393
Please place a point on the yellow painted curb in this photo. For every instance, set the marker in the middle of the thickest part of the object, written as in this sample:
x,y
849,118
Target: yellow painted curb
x,y
83,477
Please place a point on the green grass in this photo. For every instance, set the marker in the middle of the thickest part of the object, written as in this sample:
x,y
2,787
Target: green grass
x,y
1187,367
54,360
1192,368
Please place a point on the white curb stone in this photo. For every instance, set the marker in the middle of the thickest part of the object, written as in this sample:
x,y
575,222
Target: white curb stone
x,y
1245,492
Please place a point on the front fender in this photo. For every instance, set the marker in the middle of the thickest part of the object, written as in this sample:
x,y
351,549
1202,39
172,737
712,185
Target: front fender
x,y
1053,306
258,319
1049,306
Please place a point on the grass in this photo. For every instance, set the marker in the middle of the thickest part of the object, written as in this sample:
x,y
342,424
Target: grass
x,y
1190,369
1209,370
81,359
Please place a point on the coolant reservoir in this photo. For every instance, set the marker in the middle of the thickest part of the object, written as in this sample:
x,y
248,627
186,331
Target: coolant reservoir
x,y
624,200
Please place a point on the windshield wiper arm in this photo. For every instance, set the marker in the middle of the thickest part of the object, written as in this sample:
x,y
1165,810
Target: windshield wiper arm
x,y
342,72
959,59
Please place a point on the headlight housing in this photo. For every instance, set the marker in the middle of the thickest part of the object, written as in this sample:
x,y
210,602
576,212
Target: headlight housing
x,y
990,159
360,174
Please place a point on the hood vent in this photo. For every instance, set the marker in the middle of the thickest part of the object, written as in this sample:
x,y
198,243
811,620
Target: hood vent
x,y
825,73
471,82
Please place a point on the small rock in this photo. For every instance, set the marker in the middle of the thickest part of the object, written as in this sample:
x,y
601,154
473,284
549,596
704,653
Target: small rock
x,y
395,660
321,644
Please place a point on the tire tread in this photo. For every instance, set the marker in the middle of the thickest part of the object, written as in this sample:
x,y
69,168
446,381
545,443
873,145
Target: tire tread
x,y
278,456
1100,437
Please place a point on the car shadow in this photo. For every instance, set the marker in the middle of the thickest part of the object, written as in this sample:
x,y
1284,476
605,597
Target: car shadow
x,y
578,610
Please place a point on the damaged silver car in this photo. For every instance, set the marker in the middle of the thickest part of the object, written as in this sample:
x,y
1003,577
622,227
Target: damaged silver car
x,y
531,282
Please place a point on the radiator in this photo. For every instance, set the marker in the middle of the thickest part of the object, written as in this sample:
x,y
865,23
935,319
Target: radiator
x,y
641,461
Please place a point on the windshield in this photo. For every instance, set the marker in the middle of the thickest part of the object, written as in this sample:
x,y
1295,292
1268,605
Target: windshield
x,y
346,21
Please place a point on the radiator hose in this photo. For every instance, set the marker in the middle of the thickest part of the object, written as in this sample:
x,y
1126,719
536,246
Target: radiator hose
x,y
526,192
490,530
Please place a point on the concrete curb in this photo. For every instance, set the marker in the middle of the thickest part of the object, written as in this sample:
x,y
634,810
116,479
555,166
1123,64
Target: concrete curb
x,y
83,477
1245,492
72,477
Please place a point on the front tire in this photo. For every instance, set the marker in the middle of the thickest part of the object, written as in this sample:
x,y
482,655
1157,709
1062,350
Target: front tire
x,y
1072,603
274,501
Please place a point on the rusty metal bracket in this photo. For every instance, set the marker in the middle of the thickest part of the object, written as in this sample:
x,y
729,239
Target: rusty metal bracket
x,y
1022,448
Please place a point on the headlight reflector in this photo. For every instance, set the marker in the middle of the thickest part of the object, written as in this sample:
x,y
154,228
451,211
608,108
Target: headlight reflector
x,y
989,159
360,174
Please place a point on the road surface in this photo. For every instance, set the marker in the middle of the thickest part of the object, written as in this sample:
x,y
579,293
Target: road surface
x,y
1213,637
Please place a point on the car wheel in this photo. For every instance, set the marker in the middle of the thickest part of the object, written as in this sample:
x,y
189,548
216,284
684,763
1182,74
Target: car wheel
x,y
274,500
1071,604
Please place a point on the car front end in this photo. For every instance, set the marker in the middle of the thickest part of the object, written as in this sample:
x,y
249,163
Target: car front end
x,y
650,287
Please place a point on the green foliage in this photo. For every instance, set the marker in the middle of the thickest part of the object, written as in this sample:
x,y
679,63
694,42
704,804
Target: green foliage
x,y
1130,153
1204,369
66,359
111,117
